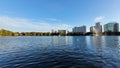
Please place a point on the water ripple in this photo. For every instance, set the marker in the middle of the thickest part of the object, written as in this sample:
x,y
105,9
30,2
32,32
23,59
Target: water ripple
x,y
67,52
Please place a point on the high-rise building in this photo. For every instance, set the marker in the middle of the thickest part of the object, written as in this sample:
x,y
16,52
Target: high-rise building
x,y
83,29
63,31
75,29
112,27
80,29
54,31
98,27
92,29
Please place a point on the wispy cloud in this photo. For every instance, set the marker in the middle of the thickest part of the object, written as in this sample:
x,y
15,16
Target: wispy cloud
x,y
23,25
6,12
52,19
98,19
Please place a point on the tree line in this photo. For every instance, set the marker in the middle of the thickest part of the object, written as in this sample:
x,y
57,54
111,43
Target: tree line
x,y
4,32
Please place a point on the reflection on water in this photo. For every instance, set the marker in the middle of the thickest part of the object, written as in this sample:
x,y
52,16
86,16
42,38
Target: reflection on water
x,y
79,40
79,43
61,40
60,52
98,43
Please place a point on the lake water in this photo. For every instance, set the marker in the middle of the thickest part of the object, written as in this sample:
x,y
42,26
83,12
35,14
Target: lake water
x,y
60,52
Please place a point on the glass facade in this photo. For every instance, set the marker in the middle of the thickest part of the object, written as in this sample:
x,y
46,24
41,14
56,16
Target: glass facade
x,y
112,27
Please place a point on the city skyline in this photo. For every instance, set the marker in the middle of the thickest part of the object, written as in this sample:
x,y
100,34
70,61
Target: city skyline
x,y
44,15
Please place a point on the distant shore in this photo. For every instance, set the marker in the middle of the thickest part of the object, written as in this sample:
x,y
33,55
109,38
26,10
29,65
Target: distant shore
x,y
4,32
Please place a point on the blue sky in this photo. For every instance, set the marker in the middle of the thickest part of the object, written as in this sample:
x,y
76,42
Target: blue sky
x,y
44,15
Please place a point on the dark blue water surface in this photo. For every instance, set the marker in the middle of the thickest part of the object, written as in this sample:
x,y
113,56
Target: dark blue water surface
x,y
60,52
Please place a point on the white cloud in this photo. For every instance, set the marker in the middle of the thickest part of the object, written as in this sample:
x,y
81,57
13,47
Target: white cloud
x,y
98,19
23,25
